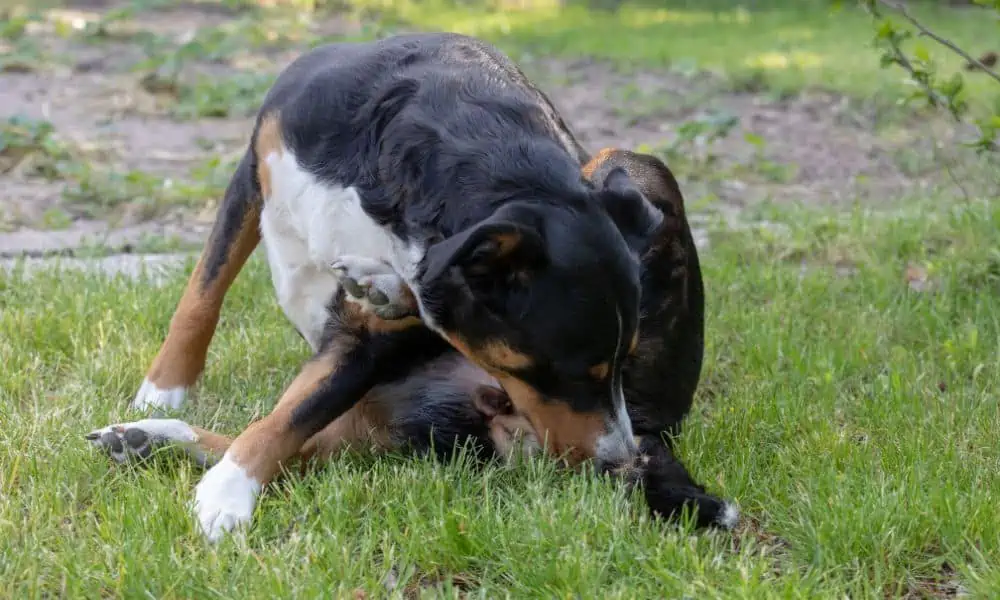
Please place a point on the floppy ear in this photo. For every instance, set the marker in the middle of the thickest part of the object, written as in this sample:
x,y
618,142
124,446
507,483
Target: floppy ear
x,y
635,216
494,248
491,401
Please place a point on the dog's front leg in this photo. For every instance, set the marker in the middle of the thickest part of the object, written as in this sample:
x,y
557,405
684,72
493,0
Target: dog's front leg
x,y
669,488
360,349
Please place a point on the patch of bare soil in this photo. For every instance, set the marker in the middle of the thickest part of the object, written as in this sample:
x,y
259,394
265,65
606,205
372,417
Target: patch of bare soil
x,y
736,147
816,148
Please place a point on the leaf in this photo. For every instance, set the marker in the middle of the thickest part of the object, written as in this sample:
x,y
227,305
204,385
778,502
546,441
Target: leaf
x,y
886,29
754,139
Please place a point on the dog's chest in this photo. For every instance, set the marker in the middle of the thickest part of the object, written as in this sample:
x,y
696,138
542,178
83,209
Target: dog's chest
x,y
306,225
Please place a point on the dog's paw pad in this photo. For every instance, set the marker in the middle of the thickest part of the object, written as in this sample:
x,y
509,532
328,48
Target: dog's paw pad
x,y
128,441
375,286
352,287
121,442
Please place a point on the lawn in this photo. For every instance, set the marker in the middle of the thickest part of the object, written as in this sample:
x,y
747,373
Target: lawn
x,y
849,401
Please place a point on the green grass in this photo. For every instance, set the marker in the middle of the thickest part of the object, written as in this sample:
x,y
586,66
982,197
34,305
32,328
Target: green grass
x,y
855,421
777,44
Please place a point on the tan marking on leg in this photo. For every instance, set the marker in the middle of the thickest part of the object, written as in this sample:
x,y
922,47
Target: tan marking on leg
x,y
364,426
356,320
265,445
181,358
211,442
267,141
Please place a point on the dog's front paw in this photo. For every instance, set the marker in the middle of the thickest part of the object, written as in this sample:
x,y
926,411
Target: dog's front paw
x,y
225,499
137,440
668,500
375,287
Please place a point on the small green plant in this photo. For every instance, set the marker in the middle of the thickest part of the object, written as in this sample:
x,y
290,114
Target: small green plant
x,y
236,96
695,140
31,147
771,170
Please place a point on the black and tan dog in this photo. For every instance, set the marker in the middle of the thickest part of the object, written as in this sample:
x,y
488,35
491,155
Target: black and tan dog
x,y
427,167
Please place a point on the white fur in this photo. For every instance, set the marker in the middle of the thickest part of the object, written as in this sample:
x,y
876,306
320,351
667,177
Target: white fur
x,y
730,516
306,226
149,396
225,498
618,445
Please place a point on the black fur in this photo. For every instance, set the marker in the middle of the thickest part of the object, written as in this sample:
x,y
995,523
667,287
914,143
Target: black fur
x,y
242,197
454,151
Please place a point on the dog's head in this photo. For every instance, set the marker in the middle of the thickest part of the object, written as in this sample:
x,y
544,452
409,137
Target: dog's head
x,y
544,295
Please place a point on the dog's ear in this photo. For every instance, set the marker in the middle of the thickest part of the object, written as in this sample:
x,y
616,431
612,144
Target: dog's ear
x,y
634,215
492,401
495,248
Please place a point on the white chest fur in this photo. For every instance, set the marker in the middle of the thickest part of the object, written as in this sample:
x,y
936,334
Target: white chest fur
x,y
306,225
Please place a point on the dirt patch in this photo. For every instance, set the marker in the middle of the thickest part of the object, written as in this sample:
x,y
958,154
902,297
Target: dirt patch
x,y
733,148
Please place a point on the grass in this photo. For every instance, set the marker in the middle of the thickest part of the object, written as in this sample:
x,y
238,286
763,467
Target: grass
x,y
770,44
853,418
849,399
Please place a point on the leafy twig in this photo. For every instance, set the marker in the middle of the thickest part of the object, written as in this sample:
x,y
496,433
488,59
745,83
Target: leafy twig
x,y
901,9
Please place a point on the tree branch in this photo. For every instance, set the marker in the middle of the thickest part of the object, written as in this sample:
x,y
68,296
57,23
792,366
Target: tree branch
x,y
901,9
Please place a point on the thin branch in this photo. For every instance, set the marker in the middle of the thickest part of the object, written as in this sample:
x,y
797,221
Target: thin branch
x,y
936,97
901,9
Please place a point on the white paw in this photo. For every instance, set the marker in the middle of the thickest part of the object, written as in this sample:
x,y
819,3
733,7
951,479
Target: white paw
x,y
149,396
124,441
375,286
225,498
729,517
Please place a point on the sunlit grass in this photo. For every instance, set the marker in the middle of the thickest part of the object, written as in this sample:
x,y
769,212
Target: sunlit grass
x,y
787,45
852,417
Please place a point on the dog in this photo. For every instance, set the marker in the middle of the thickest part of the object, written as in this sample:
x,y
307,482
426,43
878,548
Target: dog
x,y
434,155
437,407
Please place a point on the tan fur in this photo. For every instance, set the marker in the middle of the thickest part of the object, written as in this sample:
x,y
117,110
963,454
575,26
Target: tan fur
x,y
181,358
570,434
364,425
499,354
266,444
599,158
268,141
600,371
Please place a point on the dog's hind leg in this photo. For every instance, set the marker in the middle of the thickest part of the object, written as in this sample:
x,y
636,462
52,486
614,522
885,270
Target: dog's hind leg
x,y
234,236
125,442
136,441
